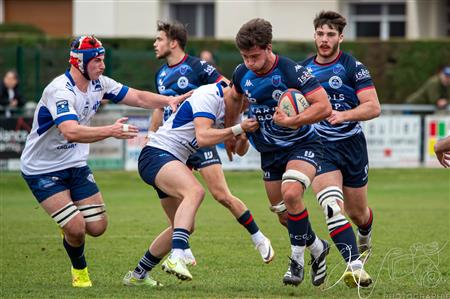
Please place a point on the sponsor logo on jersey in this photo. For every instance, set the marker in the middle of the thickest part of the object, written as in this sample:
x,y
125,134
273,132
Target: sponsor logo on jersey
x,y
335,82
97,85
209,70
276,80
309,69
183,69
248,83
357,63
305,77
163,73
337,68
183,82
62,106
66,146
85,109
202,62
208,155
276,94
161,88
362,74
297,67
96,105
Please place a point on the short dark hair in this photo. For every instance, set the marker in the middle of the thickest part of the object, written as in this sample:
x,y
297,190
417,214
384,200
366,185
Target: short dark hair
x,y
256,32
331,18
174,31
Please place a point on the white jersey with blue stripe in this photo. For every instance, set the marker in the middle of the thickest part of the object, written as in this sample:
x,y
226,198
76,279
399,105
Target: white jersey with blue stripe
x,y
177,135
342,79
46,150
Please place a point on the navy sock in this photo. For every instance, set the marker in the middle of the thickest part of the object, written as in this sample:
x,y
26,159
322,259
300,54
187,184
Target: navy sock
x,y
76,255
311,237
298,228
180,238
247,221
345,241
146,264
365,229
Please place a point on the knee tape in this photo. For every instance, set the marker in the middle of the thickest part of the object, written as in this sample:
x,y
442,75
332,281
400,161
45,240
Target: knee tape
x,y
292,175
328,199
65,214
92,213
279,208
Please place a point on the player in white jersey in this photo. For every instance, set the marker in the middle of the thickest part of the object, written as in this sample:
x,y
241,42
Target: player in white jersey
x,y
198,122
53,162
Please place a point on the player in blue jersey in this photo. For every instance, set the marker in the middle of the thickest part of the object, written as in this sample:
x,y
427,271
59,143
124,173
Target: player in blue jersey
x,y
289,157
180,74
343,173
54,160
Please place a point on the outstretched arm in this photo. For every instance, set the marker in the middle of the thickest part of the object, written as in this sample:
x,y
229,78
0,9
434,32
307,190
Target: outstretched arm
x,y
74,132
150,100
442,150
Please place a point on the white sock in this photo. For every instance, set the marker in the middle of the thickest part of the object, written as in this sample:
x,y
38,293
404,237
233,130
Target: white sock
x,y
298,253
355,265
258,237
188,253
177,253
316,248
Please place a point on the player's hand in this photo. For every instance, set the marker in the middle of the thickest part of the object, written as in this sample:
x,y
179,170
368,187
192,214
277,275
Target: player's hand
x,y
441,103
280,118
443,157
336,117
249,125
122,130
178,99
230,147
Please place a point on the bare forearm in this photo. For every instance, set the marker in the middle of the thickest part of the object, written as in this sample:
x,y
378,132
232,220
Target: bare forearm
x,y
313,114
442,145
156,120
85,134
365,111
212,136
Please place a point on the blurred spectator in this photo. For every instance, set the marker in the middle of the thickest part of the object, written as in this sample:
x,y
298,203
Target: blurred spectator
x,y
207,56
11,99
436,91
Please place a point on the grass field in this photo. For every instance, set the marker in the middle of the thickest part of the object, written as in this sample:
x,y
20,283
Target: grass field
x,y
410,257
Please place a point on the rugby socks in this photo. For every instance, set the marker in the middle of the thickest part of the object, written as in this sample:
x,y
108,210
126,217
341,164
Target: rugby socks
x,y
146,264
313,243
365,230
76,255
180,242
298,230
247,221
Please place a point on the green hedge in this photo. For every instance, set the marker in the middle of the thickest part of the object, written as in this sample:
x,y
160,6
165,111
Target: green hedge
x,y
398,67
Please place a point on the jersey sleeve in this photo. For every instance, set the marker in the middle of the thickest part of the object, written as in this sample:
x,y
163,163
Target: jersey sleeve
x,y
204,105
61,106
113,90
238,73
359,75
298,77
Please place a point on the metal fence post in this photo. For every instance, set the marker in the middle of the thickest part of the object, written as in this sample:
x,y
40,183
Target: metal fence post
x,y
37,73
19,67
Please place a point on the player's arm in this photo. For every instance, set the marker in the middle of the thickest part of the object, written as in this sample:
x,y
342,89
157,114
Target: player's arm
x,y
150,100
242,144
368,108
233,108
74,132
442,150
157,120
206,135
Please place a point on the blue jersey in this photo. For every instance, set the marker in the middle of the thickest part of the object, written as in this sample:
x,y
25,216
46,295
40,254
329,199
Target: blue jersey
x,y
188,74
263,92
342,79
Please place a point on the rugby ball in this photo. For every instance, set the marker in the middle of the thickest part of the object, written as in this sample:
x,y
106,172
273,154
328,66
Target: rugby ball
x,y
292,102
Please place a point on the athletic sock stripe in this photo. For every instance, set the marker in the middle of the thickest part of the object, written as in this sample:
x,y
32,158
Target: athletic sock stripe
x,y
337,225
249,220
336,221
181,234
342,228
299,216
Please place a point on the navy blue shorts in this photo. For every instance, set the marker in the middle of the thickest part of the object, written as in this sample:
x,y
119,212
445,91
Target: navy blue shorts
x,y
79,180
274,163
151,160
203,157
350,157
